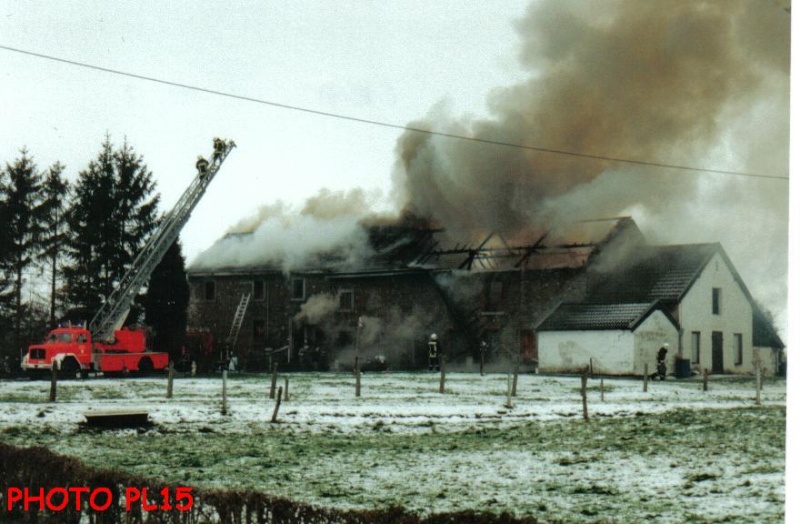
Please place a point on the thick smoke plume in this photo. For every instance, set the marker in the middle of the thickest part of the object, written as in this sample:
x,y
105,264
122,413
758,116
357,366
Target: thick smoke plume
x,y
326,232
686,82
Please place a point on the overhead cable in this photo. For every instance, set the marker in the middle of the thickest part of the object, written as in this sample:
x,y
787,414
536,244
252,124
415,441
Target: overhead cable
x,y
379,123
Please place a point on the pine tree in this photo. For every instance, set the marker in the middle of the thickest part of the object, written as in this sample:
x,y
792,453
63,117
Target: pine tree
x,y
167,302
24,211
6,289
112,214
55,192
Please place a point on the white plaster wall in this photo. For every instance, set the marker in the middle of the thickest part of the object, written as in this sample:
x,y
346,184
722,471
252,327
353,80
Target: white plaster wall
x,y
770,360
736,316
610,351
613,352
649,336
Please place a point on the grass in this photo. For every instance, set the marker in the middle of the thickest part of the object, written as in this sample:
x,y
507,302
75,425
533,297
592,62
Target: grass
x,y
701,462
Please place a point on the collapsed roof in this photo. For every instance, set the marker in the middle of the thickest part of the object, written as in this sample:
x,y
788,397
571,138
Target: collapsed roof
x,y
416,244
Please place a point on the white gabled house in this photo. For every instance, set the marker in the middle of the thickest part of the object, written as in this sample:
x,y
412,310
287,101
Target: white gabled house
x,y
717,324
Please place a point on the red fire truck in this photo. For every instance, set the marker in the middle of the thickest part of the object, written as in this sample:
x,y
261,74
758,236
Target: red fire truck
x,y
104,345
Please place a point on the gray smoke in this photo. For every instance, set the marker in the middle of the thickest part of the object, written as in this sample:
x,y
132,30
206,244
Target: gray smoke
x,y
687,82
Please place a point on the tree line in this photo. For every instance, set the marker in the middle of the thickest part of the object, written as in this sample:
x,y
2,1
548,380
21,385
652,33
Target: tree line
x,y
65,245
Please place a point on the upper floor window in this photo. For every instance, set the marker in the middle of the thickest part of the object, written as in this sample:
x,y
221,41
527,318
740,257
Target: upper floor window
x,y
210,291
493,296
346,300
259,290
298,289
716,300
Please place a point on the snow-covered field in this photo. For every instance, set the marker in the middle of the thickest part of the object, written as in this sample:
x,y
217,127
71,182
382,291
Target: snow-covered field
x,y
672,454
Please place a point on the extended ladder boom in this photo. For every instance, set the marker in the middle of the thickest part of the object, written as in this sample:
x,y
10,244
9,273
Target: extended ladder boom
x,y
112,314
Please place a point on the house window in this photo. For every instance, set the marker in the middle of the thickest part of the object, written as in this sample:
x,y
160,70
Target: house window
x,y
493,296
259,290
695,347
210,291
739,346
298,289
716,300
346,300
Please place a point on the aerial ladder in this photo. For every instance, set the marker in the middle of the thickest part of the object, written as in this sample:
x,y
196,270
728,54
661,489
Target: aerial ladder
x,y
112,314
104,345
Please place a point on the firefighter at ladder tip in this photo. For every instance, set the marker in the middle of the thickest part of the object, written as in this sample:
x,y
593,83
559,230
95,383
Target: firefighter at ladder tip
x,y
220,147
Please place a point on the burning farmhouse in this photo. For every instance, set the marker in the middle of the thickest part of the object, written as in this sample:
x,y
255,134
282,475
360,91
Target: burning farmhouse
x,y
595,292
497,246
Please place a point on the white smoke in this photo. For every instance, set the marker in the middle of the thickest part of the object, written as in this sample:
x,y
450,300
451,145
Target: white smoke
x,y
326,232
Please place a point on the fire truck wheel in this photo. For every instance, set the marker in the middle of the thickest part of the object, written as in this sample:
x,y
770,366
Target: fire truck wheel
x,y
145,366
70,367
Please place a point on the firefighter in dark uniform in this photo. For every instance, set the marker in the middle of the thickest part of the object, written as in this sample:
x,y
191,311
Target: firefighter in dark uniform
x,y
661,362
433,353
219,148
202,165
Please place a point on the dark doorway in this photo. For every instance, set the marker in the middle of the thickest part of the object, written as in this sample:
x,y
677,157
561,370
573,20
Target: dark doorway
x,y
716,352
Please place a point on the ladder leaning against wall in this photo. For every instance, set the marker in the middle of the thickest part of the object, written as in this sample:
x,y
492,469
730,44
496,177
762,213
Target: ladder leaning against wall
x,y
236,326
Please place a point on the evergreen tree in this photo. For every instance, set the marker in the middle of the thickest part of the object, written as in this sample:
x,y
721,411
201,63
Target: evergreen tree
x,y
167,302
112,215
55,194
24,221
6,289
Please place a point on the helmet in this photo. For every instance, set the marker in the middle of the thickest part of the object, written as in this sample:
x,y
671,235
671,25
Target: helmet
x,y
665,345
433,336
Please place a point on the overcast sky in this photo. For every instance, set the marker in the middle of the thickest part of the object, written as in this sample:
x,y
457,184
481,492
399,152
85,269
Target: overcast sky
x,y
385,61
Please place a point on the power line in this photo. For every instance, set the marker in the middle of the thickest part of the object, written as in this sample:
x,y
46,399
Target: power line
x,y
388,124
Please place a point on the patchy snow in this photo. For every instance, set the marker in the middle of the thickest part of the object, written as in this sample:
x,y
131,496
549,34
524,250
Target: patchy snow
x,y
675,453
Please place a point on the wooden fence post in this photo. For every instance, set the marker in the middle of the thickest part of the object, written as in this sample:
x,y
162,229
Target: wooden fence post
x,y
602,391
286,388
358,377
274,382
516,376
645,379
170,377
758,384
441,373
705,379
509,405
224,391
53,380
277,405
584,380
